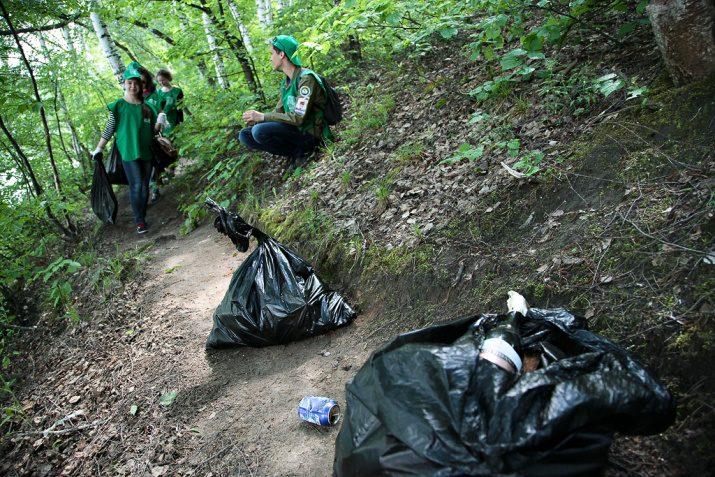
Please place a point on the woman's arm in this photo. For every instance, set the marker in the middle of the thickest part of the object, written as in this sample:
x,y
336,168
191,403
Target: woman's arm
x,y
106,135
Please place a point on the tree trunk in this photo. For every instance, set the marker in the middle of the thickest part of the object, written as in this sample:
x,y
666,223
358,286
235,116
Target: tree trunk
x,y
28,170
218,62
352,47
262,14
70,44
201,67
241,27
60,98
684,32
242,55
71,229
269,11
105,40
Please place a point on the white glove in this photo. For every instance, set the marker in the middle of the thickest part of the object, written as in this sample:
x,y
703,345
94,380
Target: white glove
x,y
517,302
163,120
97,152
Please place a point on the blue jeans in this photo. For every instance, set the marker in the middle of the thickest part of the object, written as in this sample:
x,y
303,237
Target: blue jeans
x,y
277,138
138,173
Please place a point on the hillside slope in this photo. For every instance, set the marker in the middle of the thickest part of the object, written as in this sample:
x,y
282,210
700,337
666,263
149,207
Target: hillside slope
x,y
617,225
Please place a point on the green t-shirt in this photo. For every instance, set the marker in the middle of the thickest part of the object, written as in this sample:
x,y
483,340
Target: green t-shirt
x,y
153,101
171,108
132,132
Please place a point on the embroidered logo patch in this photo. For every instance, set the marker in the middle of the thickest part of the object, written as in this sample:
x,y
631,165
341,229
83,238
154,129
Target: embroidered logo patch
x,y
304,91
301,106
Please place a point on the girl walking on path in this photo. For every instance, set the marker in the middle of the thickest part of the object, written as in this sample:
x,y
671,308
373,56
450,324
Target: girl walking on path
x,y
131,120
173,96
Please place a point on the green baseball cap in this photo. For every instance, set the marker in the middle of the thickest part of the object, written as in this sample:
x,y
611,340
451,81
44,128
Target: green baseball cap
x,y
288,45
132,70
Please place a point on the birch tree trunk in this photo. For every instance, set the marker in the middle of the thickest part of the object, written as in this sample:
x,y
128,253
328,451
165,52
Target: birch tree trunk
x,y
269,12
70,43
245,35
218,62
201,67
105,40
262,10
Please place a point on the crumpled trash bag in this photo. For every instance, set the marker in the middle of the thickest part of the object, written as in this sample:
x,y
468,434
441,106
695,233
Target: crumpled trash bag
x,y
274,297
115,167
102,198
426,404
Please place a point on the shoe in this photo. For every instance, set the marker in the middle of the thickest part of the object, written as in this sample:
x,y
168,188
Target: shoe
x,y
142,228
299,160
155,196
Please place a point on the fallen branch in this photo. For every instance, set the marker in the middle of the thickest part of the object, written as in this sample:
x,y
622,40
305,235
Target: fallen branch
x,y
47,432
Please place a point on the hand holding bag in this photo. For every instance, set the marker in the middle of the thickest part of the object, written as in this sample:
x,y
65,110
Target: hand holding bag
x,y
164,153
115,168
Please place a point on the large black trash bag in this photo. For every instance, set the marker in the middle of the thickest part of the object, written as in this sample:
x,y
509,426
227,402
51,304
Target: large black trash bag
x,y
115,167
104,202
274,297
425,404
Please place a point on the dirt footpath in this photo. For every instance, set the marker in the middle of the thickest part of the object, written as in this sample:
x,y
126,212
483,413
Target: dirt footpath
x,y
238,408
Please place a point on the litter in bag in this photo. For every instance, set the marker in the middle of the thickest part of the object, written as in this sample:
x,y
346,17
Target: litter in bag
x,y
104,202
274,297
115,167
426,404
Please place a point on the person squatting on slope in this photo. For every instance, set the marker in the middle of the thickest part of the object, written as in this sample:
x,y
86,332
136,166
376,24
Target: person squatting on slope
x,y
131,120
296,125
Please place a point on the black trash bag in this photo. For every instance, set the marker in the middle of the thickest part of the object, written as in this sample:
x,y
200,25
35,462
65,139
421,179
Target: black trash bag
x,y
426,404
104,202
115,167
274,297
161,159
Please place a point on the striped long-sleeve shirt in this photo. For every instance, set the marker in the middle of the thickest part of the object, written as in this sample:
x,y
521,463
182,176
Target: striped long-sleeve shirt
x,y
109,130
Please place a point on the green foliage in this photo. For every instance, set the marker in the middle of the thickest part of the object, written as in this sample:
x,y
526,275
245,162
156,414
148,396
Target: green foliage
x,y
529,163
371,111
384,186
408,152
498,136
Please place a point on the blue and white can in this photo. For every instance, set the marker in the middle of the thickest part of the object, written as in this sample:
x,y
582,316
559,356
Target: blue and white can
x,y
319,410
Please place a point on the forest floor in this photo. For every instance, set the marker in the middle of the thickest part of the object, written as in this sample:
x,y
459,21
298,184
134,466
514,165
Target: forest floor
x,y
572,238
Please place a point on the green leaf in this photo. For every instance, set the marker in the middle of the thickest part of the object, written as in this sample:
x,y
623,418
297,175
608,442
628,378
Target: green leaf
x,y
605,77
196,431
532,42
626,29
173,268
511,60
610,86
474,153
133,410
168,398
448,32
488,52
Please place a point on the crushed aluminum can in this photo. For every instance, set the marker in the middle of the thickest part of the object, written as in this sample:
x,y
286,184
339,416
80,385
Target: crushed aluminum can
x,y
319,410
